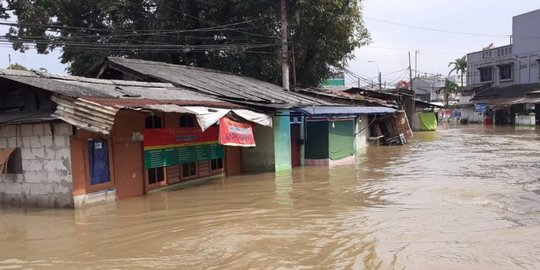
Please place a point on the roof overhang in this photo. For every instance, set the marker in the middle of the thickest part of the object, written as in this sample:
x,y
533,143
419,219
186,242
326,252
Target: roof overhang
x,y
343,110
98,115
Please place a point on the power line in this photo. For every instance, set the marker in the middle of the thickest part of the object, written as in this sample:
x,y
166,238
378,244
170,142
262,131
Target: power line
x,y
436,30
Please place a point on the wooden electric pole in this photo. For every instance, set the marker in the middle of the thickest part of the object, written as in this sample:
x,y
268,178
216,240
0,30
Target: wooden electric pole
x,y
284,47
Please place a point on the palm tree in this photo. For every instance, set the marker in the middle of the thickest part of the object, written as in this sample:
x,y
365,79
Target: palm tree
x,y
448,89
460,65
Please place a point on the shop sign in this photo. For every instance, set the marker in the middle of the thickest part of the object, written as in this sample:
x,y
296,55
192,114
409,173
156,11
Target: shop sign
x,y
480,107
235,133
174,146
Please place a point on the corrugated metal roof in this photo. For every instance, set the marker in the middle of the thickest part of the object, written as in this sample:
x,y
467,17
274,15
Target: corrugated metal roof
x,y
343,110
144,103
361,95
515,91
85,114
215,83
74,86
26,117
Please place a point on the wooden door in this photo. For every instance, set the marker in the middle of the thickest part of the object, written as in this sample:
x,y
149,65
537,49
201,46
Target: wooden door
x,y
296,145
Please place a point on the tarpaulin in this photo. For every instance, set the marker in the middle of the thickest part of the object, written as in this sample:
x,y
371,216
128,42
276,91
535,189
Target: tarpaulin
x,y
317,140
428,121
234,133
341,139
207,116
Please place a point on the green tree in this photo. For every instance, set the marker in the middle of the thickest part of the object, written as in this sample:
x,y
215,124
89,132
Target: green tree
x,y
448,89
230,35
17,66
459,65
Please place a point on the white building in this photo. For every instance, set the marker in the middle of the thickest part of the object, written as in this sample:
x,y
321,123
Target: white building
x,y
516,63
501,69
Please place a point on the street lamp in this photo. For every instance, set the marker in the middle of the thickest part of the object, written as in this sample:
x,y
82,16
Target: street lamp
x,y
379,72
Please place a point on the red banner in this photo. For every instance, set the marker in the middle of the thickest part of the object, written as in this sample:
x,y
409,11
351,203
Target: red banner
x,y
235,133
156,138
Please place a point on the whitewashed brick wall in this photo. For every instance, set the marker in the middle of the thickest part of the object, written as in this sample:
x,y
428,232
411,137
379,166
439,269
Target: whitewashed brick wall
x,y
46,162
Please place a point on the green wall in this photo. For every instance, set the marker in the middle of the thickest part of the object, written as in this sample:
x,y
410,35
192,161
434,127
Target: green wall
x,y
282,141
341,139
261,157
316,143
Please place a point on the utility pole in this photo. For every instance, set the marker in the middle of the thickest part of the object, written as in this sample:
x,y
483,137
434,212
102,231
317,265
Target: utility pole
x,y
284,47
410,72
415,63
380,82
293,67
408,99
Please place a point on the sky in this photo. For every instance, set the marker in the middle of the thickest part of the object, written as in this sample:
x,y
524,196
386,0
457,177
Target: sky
x,y
457,28
439,30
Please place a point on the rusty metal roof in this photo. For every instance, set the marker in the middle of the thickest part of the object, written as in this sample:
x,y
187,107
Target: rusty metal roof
x,y
92,104
143,103
115,90
219,84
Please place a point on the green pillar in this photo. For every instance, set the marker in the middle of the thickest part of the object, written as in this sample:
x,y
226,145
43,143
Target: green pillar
x,y
282,141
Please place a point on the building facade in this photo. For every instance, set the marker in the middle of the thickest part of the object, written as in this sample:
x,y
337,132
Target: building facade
x,y
68,141
511,73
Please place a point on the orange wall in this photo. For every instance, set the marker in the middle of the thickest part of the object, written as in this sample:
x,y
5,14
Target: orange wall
x,y
233,160
128,163
78,165
127,157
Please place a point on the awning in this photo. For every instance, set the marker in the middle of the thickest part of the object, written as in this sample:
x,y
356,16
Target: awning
x,y
343,110
94,116
26,117
206,116
85,114
477,86
509,101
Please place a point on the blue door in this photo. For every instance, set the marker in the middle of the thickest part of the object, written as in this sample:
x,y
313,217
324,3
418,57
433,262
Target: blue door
x,y
98,159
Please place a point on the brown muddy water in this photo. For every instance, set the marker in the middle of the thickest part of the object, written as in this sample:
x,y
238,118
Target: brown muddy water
x,y
459,198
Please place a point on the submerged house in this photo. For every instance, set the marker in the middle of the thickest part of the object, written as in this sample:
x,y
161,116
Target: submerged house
x,y
281,146
68,141
284,146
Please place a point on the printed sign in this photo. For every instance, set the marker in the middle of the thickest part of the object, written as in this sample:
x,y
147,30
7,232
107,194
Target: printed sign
x,y
174,146
480,107
235,133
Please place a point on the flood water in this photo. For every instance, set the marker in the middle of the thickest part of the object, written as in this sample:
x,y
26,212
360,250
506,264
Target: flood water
x,y
458,198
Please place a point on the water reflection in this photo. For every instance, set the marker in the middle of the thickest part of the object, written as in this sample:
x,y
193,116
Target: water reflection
x,y
461,198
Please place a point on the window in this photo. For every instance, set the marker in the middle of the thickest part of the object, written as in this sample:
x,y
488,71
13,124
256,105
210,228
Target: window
x,y
155,175
486,74
216,164
152,122
10,161
189,169
505,72
187,121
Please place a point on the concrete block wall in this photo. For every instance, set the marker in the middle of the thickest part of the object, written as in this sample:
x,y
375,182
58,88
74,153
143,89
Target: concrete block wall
x,y
46,165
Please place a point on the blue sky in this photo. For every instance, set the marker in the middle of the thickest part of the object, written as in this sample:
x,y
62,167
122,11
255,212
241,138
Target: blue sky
x,y
485,21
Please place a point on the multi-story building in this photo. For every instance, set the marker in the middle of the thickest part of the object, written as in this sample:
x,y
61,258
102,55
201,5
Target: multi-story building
x,y
505,76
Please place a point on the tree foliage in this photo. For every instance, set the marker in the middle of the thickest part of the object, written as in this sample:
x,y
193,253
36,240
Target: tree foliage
x,y
231,35
17,66
459,65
